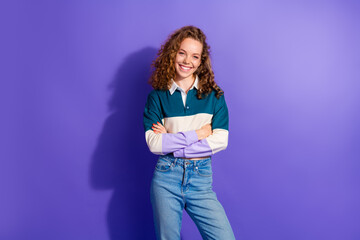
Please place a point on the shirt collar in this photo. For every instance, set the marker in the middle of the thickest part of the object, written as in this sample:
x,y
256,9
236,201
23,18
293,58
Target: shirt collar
x,y
174,86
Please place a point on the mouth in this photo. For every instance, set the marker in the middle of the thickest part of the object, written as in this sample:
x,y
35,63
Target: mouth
x,y
185,68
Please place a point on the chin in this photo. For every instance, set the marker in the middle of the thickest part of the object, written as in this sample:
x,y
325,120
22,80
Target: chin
x,y
182,73
182,76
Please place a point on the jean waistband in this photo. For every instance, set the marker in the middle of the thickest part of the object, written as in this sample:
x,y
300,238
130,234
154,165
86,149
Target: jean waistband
x,y
186,162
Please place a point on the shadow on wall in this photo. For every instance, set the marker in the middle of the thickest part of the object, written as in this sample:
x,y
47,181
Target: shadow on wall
x,y
121,160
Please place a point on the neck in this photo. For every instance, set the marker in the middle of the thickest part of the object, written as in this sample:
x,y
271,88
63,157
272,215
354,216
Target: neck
x,y
185,83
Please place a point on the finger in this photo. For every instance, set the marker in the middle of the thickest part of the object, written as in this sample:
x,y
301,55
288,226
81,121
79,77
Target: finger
x,y
161,127
161,130
159,124
156,127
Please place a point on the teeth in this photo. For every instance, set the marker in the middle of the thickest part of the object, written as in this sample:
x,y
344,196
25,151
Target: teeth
x,y
186,68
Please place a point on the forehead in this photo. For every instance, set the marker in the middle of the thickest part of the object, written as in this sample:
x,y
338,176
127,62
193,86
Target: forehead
x,y
191,45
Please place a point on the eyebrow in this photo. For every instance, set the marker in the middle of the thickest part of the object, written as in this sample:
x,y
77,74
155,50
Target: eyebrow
x,y
194,53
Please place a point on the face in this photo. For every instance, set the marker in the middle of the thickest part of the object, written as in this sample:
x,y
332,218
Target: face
x,y
188,59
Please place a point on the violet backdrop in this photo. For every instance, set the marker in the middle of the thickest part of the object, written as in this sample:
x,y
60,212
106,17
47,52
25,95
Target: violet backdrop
x,y
74,162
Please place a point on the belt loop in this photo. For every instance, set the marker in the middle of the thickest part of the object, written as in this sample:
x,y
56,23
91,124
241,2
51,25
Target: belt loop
x,y
175,161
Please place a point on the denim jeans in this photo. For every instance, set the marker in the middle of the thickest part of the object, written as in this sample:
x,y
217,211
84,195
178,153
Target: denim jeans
x,y
179,184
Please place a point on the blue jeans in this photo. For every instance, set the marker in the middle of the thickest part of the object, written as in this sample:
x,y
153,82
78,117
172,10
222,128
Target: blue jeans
x,y
180,183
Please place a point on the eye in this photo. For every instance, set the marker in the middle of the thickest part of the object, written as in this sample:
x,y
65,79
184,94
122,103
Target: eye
x,y
181,53
196,57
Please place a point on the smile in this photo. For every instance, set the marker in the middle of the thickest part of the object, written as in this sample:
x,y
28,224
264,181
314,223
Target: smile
x,y
184,68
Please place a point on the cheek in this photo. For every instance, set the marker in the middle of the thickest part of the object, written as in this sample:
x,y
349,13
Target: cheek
x,y
197,64
179,58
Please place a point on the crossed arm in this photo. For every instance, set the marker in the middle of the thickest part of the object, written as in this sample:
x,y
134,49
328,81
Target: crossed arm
x,y
202,142
202,133
200,148
182,144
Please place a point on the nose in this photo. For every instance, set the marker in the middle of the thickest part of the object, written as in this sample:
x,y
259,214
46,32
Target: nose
x,y
187,59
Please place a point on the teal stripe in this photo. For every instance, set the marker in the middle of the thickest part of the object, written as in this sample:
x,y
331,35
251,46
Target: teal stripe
x,y
161,104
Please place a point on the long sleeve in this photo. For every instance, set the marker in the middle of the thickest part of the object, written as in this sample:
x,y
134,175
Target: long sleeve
x,y
165,143
214,143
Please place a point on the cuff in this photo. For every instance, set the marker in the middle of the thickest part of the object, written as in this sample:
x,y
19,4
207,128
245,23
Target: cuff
x,y
179,153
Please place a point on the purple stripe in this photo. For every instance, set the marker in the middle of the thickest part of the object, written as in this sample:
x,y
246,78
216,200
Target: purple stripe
x,y
199,149
172,142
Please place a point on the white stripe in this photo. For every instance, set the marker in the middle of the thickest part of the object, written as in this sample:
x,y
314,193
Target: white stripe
x,y
218,140
186,123
154,142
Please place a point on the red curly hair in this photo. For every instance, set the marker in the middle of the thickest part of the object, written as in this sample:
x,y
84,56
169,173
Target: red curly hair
x,y
164,65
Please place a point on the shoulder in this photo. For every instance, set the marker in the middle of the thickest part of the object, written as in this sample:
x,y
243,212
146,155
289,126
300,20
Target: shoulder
x,y
156,95
152,94
220,100
155,92
218,103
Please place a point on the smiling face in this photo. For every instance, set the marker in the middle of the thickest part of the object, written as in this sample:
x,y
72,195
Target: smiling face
x,y
188,59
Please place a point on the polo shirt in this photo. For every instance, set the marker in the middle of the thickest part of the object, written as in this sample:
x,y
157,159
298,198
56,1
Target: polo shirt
x,y
181,120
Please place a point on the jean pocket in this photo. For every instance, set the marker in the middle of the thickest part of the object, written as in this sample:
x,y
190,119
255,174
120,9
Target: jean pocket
x,y
163,165
205,170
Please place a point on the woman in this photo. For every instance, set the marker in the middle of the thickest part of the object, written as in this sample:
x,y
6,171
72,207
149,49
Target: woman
x,y
186,121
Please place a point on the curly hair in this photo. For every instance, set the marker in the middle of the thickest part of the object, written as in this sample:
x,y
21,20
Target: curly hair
x,y
163,67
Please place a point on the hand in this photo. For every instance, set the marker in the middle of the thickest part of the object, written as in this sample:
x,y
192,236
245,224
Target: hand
x,y
204,131
158,128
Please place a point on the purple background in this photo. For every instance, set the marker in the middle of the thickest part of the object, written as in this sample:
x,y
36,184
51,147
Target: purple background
x,y
74,162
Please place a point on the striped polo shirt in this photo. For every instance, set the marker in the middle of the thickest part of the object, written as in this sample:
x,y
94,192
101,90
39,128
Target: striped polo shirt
x,y
181,120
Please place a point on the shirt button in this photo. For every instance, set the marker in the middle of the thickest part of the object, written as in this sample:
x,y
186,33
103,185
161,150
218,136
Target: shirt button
x,y
187,107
